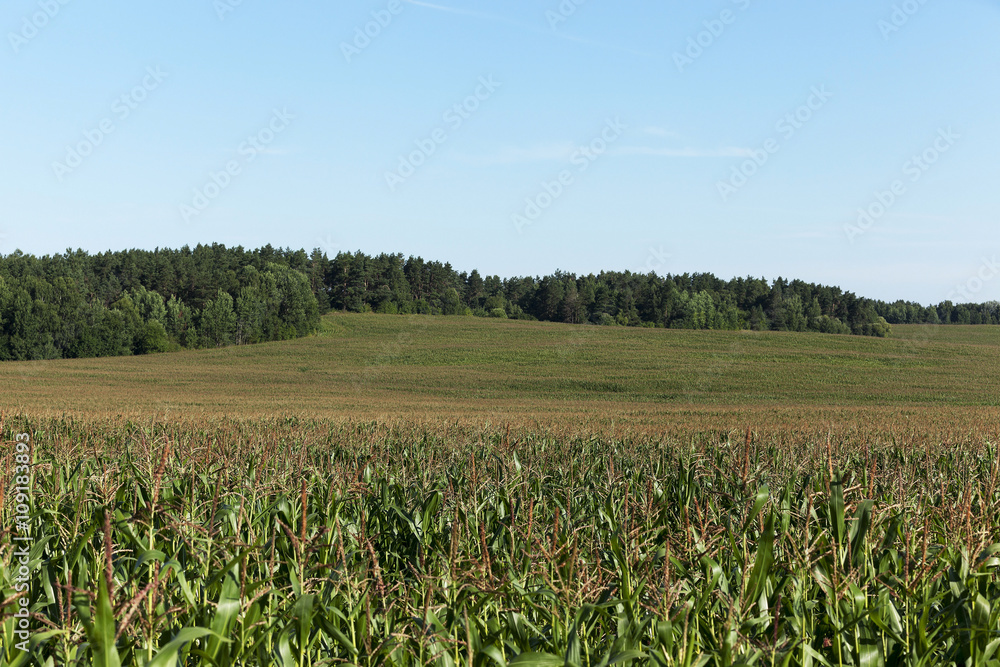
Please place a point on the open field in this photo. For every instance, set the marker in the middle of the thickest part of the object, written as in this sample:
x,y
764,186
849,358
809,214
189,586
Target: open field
x,y
452,491
382,366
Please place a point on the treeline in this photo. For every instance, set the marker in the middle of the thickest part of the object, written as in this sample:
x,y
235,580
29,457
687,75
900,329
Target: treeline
x,y
946,312
137,301
391,284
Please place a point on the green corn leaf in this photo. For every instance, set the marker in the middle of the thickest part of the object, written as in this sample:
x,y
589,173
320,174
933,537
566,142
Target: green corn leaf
x,y
625,657
169,654
534,659
337,635
303,611
494,654
762,563
763,494
285,651
226,612
859,530
431,505
102,634
836,506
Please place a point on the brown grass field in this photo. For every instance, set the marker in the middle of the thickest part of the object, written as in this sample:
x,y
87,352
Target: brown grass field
x,y
428,369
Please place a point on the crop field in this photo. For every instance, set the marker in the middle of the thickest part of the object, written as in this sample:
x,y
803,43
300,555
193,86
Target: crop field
x,y
456,491
371,366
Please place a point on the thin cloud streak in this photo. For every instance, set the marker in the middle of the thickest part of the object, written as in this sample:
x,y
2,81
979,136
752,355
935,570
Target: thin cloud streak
x,y
686,152
563,150
516,154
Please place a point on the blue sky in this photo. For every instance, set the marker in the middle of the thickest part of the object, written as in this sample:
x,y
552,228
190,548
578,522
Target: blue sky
x,y
736,137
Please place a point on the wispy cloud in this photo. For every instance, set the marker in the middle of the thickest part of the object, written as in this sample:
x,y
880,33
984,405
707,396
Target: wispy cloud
x,y
267,151
556,151
686,152
519,154
915,217
807,235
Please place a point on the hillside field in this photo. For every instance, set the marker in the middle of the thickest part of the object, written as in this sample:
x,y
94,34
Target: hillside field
x,y
367,366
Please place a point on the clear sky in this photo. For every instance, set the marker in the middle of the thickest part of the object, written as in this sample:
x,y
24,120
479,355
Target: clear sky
x,y
738,137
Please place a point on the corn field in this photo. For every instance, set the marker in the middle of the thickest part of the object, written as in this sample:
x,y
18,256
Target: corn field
x,y
295,542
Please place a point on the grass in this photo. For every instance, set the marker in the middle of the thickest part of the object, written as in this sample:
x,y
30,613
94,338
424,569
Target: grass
x,y
377,366
452,491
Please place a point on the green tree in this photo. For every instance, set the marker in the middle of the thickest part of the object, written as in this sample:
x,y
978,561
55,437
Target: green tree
x,y
795,317
758,319
149,304
251,312
296,306
475,288
152,338
451,304
218,321
178,319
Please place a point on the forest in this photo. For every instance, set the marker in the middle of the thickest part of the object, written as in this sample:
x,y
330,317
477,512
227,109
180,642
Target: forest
x,y
114,303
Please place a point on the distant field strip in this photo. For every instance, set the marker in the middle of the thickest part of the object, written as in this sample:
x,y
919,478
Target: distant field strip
x,y
404,365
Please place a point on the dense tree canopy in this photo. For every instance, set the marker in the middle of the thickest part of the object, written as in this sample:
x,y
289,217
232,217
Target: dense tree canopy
x,y
138,301
392,284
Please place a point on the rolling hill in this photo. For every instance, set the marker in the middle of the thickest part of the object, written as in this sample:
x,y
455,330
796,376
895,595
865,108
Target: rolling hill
x,y
378,365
